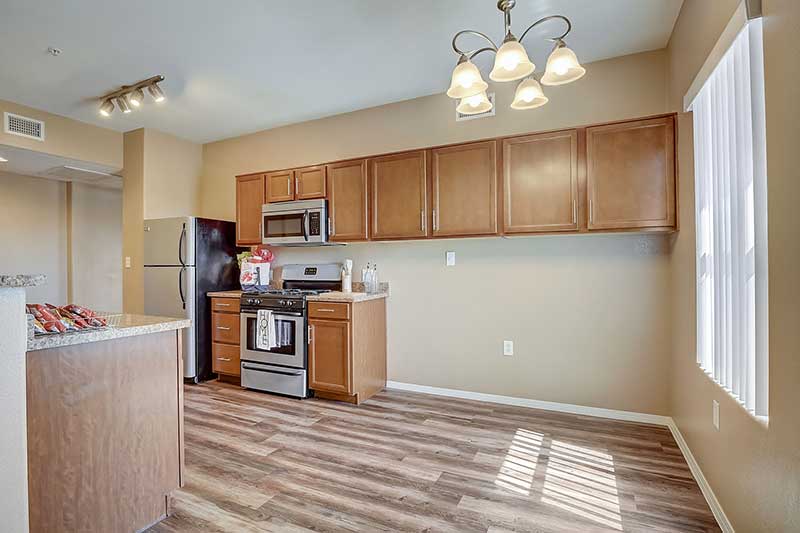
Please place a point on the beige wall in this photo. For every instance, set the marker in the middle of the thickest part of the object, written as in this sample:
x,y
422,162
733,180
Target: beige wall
x,y
172,169
33,238
752,468
161,179
67,137
586,313
132,225
96,246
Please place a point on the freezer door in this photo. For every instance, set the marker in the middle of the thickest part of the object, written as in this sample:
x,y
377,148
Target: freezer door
x,y
169,241
170,291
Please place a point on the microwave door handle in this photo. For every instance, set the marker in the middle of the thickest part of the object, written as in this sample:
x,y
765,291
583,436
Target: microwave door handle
x,y
305,225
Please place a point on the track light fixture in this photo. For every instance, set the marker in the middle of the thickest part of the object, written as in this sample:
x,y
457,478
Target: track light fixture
x,y
511,63
131,95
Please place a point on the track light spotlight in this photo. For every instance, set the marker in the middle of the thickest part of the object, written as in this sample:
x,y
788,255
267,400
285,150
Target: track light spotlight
x,y
156,93
107,107
136,97
122,103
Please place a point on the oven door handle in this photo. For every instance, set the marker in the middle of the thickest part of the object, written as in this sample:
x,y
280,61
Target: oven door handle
x,y
245,366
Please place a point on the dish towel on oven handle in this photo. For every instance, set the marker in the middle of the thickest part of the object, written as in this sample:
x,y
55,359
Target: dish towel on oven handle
x,y
265,332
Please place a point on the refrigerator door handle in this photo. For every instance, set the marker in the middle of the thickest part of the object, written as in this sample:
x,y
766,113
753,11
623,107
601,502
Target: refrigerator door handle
x,y
180,286
181,242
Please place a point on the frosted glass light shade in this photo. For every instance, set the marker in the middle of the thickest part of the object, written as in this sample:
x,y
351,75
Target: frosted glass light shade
x,y
528,95
511,62
466,81
472,105
562,67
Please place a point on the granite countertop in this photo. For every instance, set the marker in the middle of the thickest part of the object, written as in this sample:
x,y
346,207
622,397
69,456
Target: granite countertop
x,y
337,296
119,325
225,294
14,281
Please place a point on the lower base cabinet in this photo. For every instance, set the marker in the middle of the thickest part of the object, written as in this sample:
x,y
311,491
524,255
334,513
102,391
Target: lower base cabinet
x,y
225,338
347,349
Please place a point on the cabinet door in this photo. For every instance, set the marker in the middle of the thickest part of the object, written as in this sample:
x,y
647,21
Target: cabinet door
x,y
399,196
464,188
540,182
249,198
280,186
630,174
309,183
329,356
347,200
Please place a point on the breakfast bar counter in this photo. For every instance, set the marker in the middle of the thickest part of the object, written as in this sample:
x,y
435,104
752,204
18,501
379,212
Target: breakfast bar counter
x,y
105,425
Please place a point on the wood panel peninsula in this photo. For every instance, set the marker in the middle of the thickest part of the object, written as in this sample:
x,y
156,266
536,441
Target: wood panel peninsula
x,y
105,425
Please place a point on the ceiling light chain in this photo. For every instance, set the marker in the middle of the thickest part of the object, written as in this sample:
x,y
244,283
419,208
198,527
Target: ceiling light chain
x,y
512,63
131,94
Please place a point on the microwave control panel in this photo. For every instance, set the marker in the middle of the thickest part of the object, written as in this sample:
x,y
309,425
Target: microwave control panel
x,y
314,223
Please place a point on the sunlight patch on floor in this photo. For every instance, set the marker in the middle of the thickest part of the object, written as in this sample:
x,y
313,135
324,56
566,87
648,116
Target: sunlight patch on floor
x,y
519,464
582,481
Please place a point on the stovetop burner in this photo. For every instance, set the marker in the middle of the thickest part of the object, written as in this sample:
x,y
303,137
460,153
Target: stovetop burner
x,y
290,292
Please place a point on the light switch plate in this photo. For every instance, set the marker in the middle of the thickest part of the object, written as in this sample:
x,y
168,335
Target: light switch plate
x,y
127,262
715,414
450,259
508,347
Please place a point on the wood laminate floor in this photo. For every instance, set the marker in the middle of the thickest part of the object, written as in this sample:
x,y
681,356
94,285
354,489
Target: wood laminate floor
x,y
413,462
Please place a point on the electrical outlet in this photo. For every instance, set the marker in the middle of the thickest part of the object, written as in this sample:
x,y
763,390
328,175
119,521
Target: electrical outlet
x,y
715,414
508,347
450,259
127,262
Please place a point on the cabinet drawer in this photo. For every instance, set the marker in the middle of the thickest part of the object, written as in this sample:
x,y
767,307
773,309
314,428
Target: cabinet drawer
x,y
226,359
330,310
225,305
225,328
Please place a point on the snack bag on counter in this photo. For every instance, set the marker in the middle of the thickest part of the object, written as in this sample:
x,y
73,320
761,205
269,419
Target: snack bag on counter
x,y
88,315
50,322
254,272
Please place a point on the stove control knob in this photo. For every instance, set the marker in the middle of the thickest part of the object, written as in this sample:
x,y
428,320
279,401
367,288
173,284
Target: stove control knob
x,y
281,302
251,301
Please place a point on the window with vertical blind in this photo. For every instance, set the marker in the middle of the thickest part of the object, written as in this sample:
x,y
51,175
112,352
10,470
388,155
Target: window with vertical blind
x,y
731,219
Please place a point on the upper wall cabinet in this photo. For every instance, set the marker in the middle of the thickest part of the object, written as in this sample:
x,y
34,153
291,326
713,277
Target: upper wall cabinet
x,y
249,198
630,174
398,204
347,200
540,183
464,190
309,183
280,186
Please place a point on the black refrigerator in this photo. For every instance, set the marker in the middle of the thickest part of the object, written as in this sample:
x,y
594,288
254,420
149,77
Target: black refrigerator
x,y
185,258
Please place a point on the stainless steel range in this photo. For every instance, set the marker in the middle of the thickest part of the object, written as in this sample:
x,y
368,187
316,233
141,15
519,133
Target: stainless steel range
x,y
283,369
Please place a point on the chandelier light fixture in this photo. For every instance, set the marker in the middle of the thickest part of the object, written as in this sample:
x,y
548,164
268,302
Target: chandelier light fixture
x,y
511,63
131,95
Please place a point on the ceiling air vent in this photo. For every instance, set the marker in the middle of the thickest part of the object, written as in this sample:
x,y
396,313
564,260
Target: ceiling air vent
x,y
29,128
490,113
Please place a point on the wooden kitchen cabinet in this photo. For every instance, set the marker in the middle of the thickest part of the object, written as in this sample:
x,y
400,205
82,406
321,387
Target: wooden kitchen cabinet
x,y
280,186
630,174
540,182
347,349
399,191
309,183
249,198
464,190
225,351
347,200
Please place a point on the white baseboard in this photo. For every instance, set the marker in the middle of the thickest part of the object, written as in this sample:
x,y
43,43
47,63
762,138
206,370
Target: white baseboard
x,y
701,480
629,416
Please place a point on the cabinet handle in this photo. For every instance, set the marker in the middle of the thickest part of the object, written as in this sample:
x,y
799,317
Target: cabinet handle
x,y
326,310
223,328
330,227
310,333
296,186
435,222
223,358
223,305
422,220
591,214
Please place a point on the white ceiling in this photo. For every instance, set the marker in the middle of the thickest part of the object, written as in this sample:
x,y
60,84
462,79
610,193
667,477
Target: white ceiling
x,y
53,167
234,67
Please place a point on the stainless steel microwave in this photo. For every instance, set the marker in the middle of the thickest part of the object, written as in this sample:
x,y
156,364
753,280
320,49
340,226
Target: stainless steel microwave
x,y
304,222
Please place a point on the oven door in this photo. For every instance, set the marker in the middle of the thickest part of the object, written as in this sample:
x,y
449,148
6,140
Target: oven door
x,y
290,329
